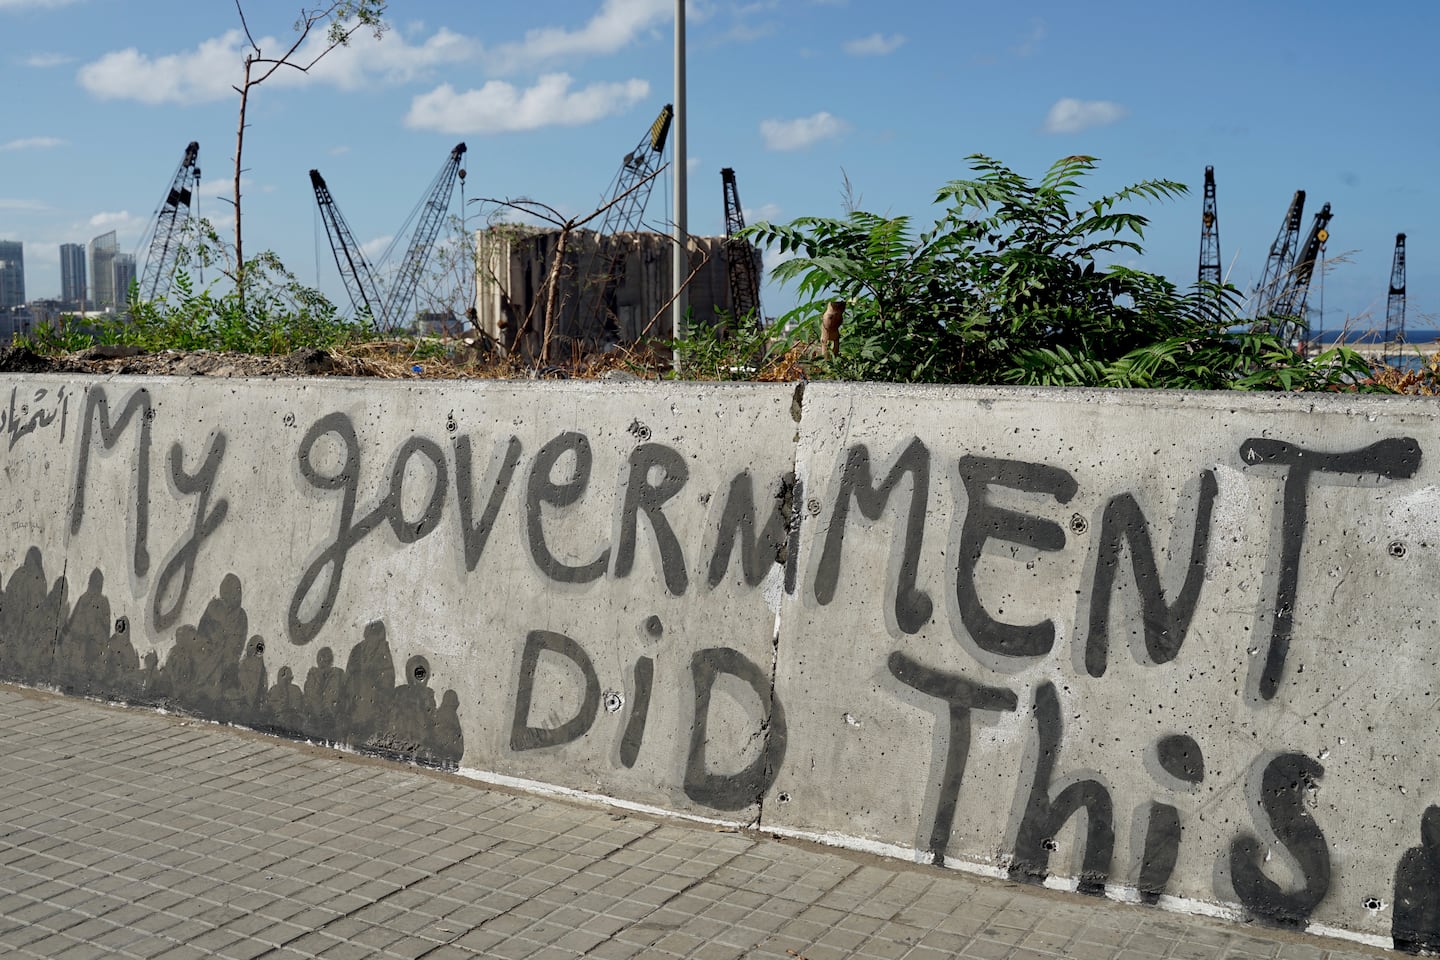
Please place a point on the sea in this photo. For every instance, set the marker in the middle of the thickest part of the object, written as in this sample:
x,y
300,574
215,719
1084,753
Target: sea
x,y
1409,355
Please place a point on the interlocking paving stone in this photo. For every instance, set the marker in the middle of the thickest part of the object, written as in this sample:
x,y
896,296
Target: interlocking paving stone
x,y
132,834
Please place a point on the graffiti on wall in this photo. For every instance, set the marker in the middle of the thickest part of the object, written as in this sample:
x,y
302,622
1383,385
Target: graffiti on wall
x,y
1280,781
215,668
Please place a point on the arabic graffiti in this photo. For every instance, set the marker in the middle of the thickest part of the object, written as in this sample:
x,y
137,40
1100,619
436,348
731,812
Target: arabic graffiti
x,y
24,417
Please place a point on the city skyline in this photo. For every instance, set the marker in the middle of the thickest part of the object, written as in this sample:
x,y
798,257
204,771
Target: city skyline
x,y
114,270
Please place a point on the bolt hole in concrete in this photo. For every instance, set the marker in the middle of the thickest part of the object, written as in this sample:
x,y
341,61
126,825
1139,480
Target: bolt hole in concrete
x,y
122,624
613,701
1373,903
784,798
1049,844
1397,549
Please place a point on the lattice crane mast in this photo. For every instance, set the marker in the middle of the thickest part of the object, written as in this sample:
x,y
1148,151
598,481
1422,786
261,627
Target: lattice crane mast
x,y
432,213
355,270
1209,234
628,194
739,254
1290,308
164,245
1395,303
1282,255
636,177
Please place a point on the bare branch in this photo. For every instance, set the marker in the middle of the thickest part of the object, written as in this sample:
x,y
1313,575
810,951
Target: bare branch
x,y
246,26
525,205
338,14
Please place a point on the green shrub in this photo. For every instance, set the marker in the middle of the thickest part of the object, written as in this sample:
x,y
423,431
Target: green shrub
x,y
1010,286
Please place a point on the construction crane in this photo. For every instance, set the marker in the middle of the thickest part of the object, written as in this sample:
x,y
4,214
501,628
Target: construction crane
x,y
627,196
1209,234
1395,303
630,190
164,238
739,255
1290,307
1282,255
355,270
388,306
432,209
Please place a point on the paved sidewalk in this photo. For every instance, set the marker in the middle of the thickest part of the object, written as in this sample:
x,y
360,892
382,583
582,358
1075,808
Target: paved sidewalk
x,y
126,833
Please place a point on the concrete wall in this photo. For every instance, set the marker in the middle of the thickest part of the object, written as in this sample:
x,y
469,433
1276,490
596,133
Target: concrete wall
x,y
1176,648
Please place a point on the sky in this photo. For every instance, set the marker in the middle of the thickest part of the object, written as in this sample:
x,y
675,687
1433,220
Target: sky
x,y
800,97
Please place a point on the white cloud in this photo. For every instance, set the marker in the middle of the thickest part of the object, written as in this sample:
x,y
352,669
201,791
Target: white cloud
x,y
123,222
391,58
43,60
339,151
500,107
802,132
111,219
196,76
1069,115
766,211
617,23
221,188
1033,39
875,45
26,206
208,72
374,249
33,143
34,4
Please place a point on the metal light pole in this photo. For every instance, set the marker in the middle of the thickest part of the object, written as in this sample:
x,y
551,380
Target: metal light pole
x,y
680,255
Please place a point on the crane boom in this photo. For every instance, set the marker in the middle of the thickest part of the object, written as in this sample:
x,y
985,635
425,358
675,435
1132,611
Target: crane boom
x,y
432,213
1290,307
628,194
354,269
1209,234
1282,255
164,243
739,255
632,184
1395,303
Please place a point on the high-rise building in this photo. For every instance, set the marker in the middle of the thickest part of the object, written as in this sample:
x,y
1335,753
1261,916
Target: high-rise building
x,y
124,277
72,272
102,270
12,273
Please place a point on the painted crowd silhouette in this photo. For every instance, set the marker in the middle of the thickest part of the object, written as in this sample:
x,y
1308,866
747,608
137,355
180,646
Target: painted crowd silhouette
x,y
216,669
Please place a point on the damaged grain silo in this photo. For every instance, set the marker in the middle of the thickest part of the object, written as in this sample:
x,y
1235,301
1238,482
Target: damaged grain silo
x,y
608,290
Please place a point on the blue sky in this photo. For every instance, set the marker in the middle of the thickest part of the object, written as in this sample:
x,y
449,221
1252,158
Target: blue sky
x,y
1335,98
